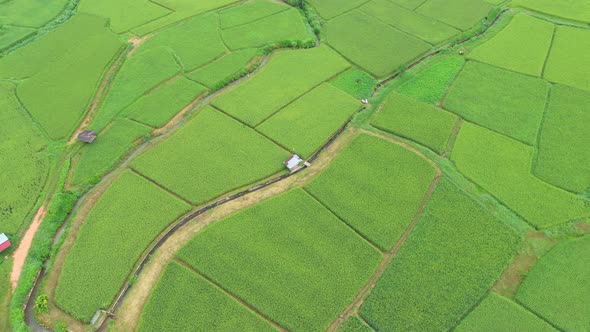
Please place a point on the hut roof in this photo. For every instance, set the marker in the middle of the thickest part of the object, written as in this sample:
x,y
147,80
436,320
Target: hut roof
x,y
87,136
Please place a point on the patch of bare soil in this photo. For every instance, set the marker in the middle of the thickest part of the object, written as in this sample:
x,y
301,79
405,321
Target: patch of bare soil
x,y
21,253
513,276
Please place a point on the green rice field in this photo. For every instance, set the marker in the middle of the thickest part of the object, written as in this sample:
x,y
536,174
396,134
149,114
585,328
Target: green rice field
x,y
129,215
557,288
499,313
448,263
378,197
289,257
211,155
149,178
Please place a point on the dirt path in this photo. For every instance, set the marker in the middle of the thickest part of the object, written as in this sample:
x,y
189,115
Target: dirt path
x,y
21,253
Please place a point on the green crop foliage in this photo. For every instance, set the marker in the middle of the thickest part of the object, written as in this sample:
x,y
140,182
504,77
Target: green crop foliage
x,y
24,161
307,123
417,121
522,46
425,28
354,324
355,82
211,155
181,10
462,14
575,10
288,75
507,102
248,12
57,96
158,107
93,160
192,52
10,35
125,220
287,25
288,257
374,46
431,84
124,15
409,4
34,57
30,13
376,187
502,166
557,288
568,62
329,9
563,158
185,301
497,313
138,75
224,69
448,263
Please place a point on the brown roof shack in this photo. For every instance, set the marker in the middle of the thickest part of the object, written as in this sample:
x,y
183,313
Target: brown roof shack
x,y
87,136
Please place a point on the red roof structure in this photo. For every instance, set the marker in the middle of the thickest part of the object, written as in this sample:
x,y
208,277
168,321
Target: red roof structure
x,y
4,242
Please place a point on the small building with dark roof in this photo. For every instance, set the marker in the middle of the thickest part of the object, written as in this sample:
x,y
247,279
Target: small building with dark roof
x,y
4,242
87,136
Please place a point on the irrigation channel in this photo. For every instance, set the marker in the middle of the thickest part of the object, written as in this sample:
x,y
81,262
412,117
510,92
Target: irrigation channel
x,y
29,304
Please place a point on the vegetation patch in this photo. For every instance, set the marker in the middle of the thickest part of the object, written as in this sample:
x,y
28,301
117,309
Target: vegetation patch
x,y
354,324
93,160
124,15
557,288
376,187
425,28
58,93
431,84
30,13
451,259
181,10
502,167
462,14
288,75
563,158
158,107
417,121
249,11
522,46
229,67
329,9
507,102
355,82
568,62
209,156
286,26
288,257
575,10
138,75
375,46
126,219
497,313
190,50
24,162
308,122
185,301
